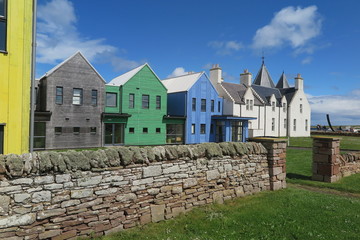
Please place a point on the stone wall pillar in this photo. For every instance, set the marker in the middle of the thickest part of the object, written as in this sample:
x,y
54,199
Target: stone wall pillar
x,y
276,158
326,159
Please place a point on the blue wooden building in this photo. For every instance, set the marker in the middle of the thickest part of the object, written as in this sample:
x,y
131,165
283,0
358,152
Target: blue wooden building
x,y
194,98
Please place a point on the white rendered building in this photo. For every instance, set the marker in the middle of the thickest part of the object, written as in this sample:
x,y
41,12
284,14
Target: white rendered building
x,y
279,110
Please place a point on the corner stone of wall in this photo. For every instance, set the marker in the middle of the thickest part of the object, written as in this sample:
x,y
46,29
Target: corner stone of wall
x,y
276,157
76,194
326,159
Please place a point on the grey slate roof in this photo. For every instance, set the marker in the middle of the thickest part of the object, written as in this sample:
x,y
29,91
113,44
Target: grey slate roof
x,y
283,82
288,93
263,78
237,92
266,92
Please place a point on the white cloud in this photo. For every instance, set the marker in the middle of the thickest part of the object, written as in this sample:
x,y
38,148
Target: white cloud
x,y
306,60
225,47
58,37
290,26
179,71
343,109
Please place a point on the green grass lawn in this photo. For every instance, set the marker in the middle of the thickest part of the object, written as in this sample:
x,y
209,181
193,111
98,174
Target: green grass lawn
x,y
346,142
286,214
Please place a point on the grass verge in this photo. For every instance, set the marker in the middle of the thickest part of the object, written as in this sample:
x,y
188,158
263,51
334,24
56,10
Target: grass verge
x,y
287,214
346,142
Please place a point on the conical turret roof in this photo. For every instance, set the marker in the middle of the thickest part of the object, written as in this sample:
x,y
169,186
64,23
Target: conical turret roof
x,y
283,82
263,78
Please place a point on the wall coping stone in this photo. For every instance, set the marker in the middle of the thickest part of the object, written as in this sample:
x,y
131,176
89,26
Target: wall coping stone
x,y
268,139
326,138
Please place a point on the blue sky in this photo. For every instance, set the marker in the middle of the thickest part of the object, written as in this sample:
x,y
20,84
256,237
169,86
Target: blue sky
x,y
319,39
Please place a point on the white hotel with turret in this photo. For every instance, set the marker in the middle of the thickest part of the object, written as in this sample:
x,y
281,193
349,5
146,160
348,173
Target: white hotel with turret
x,y
280,110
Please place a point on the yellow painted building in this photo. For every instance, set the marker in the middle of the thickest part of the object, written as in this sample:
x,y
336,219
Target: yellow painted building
x,y
16,23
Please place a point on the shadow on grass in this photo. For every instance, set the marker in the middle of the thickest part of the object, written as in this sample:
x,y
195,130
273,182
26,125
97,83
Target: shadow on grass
x,y
297,176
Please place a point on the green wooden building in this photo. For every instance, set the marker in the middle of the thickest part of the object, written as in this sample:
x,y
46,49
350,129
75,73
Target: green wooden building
x,y
136,103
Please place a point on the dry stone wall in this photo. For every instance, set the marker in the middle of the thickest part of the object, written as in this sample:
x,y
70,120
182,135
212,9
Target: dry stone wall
x,y
328,164
50,195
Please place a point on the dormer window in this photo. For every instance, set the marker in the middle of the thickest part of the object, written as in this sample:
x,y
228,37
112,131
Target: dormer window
x,y
251,104
273,106
284,107
247,104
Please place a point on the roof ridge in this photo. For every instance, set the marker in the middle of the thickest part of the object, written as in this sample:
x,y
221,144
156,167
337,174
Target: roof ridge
x,y
187,74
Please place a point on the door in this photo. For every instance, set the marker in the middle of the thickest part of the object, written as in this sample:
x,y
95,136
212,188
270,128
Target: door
x,y
114,133
219,134
1,139
236,131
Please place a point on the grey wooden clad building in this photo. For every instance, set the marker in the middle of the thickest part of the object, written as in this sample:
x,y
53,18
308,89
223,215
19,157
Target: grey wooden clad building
x,y
70,101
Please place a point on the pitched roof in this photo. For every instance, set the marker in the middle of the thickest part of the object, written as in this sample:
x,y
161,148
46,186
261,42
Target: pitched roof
x,y
122,79
283,82
266,92
181,83
78,53
263,78
237,92
288,93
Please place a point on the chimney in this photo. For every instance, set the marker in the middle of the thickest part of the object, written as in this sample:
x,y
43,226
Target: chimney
x,y
246,78
216,74
299,82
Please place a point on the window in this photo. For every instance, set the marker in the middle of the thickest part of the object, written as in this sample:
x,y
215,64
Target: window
x,y
3,22
301,108
273,106
203,105
175,133
202,128
131,130
247,104
77,96
59,94
284,107
219,106
294,127
192,128
39,134
193,104
145,130
111,99
145,101
251,104
236,131
158,102
94,97
131,100
306,125
76,130
212,106
158,130
58,130
93,130
273,124
285,123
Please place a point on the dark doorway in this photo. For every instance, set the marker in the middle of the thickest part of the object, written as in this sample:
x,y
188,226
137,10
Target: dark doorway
x,y
114,133
220,133
1,139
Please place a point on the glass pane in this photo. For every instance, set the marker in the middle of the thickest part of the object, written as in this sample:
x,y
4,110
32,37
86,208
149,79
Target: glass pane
x,y
39,129
59,91
145,101
39,142
111,99
58,100
108,133
76,100
118,134
2,35
2,7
